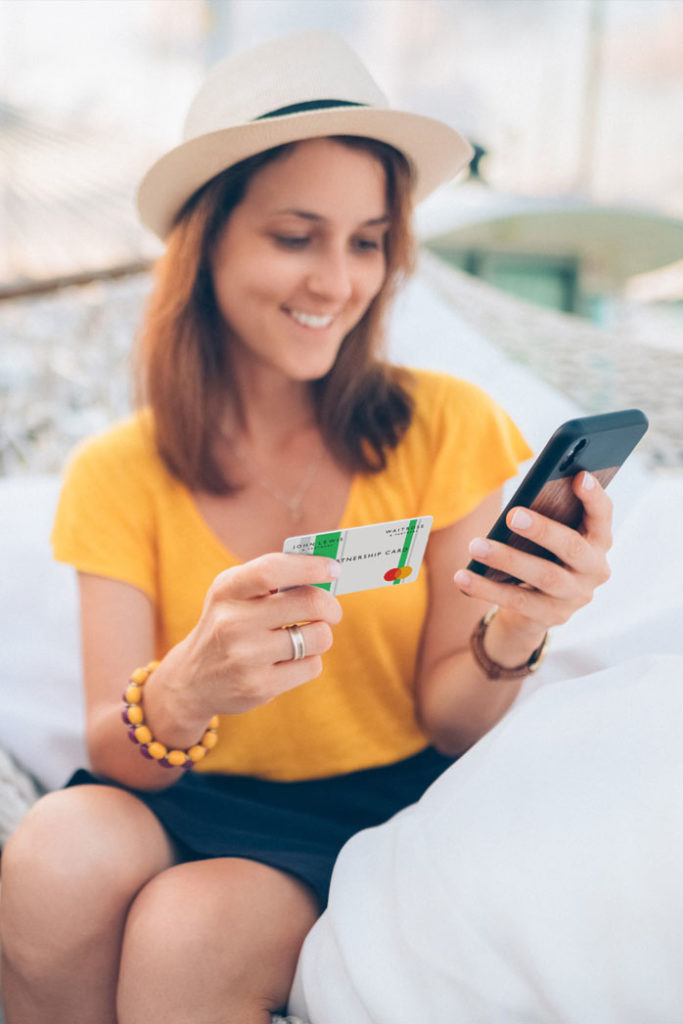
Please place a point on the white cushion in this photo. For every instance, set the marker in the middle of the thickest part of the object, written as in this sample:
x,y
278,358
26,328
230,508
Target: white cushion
x,y
40,674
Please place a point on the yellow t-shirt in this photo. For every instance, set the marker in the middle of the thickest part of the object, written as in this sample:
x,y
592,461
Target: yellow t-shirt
x,y
121,514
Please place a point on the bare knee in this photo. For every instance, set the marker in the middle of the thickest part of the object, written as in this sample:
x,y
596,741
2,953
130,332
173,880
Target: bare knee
x,y
229,926
72,867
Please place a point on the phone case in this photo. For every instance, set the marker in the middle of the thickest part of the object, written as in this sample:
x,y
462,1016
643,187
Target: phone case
x,y
599,444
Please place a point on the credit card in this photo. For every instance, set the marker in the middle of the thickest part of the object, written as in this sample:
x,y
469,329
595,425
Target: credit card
x,y
377,555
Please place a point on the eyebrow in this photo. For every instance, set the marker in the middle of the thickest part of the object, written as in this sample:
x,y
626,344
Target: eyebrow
x,y
316,217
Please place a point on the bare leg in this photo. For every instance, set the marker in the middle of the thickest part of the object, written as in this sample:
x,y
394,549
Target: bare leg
x,y
69,874
213,942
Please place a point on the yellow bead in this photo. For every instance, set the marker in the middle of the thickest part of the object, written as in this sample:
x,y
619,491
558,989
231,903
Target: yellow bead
x,y
143,735
139,676
215,722
176,758
153,665
157,750
135,715
209,739
196,753
133,694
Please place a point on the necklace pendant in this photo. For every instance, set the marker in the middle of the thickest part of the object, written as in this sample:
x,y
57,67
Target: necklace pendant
x,y
292,503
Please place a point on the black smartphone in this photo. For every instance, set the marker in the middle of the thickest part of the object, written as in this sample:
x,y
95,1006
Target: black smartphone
x,y
599,444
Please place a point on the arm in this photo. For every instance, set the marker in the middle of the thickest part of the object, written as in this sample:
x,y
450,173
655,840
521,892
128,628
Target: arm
x,y
456,702
237,657
117,631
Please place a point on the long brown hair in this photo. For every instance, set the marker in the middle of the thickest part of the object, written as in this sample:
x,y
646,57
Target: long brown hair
x,y
363,405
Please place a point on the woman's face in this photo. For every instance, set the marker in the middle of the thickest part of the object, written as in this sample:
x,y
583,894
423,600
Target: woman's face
x,y
301,257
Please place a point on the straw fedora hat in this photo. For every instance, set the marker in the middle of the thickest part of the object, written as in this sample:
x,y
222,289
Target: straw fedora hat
x,y
299,87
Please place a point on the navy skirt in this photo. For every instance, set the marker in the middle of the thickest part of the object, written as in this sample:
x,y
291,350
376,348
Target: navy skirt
x,y
298,827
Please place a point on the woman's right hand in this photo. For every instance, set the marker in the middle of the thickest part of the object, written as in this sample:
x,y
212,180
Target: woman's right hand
x,y
239,655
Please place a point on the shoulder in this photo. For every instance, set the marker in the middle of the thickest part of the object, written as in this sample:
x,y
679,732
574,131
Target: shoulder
x,y
127,446
132,436
429,386
119,463
461,445
441,398
107,513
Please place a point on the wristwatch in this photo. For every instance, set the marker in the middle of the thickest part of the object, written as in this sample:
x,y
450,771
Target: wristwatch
x,y
492,669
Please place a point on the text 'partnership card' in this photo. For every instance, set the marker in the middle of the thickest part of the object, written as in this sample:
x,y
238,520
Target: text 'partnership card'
x,y
378,555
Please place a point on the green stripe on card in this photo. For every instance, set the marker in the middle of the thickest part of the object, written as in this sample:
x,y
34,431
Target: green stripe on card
x,y
406,546
327,544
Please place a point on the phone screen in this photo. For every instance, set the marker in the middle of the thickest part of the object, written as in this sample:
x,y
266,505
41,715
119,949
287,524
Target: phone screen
x,y
556,500
599,444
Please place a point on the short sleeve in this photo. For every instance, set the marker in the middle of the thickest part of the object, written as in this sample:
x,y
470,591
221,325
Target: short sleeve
x,y
474,448
104,522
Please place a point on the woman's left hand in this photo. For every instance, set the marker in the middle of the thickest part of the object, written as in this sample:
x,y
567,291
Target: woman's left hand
x,y
553,592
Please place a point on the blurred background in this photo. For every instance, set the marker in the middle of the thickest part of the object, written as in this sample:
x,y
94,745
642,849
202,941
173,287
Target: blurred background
x,y
562,244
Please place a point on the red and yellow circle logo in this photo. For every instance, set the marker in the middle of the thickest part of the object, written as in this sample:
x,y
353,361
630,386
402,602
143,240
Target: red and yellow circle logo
x,y
391,575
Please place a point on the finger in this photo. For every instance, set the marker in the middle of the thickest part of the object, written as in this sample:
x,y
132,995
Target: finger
x,y
317,638
261,576
300,604
540,573
597,510
287,675
570,546
539,608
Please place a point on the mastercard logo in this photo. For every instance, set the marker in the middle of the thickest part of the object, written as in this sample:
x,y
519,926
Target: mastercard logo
x,y
391,575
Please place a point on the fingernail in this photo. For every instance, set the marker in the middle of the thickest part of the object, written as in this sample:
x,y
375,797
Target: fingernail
x,y
588,482
480,548
334,570
462,578
521,520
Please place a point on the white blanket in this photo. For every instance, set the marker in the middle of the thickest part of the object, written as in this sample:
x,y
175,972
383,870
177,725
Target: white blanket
x,y
538,880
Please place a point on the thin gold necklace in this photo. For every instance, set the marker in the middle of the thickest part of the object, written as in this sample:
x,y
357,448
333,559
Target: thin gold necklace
x,y
292,502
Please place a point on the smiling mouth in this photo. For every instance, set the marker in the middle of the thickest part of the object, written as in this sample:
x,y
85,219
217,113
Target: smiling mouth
x,y
309,320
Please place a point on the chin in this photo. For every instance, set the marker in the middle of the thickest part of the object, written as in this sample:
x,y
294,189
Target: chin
x,y
312,368
313,374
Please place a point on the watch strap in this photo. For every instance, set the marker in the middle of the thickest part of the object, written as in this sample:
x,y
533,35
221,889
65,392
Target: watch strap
x,y
492,668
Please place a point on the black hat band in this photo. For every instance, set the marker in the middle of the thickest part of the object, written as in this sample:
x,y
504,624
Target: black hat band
x,y
299,108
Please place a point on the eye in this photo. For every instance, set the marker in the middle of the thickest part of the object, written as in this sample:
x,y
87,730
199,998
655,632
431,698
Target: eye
x,y
291,241
367,244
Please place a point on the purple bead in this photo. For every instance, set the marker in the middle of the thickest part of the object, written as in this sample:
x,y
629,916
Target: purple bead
x,y
131,735
124,716
145,753
165,763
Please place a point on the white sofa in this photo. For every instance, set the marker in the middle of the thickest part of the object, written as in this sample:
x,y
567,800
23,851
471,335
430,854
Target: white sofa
x,y
369,940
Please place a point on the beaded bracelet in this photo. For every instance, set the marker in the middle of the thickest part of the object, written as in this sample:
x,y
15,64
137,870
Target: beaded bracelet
x,y
140,733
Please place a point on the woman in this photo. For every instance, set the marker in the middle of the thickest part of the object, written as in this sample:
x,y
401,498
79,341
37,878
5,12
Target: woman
x,y
187,895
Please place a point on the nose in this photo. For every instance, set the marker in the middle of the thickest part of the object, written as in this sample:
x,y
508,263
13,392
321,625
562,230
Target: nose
x,y
330,275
